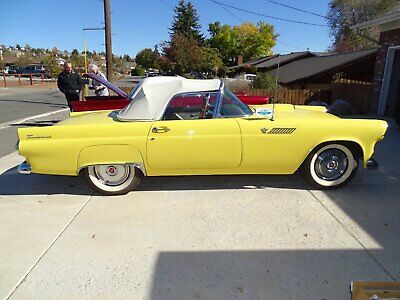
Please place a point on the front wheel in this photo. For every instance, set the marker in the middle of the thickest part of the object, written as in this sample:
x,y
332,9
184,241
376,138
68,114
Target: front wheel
x,y
112,180
330,166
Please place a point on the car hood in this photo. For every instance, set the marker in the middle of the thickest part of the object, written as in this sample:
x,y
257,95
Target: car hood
x,y
108,84
292,112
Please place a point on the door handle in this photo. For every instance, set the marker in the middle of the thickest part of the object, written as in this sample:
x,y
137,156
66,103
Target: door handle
x,y
161,129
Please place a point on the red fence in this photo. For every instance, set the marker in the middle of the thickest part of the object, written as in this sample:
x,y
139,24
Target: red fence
x,y
31,78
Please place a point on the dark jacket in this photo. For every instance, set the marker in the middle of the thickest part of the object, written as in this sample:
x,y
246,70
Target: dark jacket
x,y
69,82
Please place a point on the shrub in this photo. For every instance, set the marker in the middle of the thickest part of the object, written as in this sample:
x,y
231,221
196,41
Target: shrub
x,y
264,81
137,72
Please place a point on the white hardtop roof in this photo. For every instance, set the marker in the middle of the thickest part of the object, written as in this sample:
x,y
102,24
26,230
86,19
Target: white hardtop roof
x,y
151,96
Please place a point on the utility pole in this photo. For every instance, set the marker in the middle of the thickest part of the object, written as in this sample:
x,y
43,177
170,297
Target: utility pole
x,y
107,23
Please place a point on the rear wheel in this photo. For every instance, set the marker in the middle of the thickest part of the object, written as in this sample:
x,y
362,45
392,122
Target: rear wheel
x,y
112,179
330,166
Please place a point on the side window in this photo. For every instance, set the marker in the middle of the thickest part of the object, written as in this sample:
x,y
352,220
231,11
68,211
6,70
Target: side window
x,y
191,106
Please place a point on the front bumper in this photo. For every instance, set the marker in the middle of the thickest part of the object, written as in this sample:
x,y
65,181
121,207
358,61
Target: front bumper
x,y
372,164
24,168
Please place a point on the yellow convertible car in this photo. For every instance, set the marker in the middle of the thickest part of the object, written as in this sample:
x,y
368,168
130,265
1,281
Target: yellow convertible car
x,y
176,126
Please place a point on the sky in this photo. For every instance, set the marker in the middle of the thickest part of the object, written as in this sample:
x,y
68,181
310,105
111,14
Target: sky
x,y
138,24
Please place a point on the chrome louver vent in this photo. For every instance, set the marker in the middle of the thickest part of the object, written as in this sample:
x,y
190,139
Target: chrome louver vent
x,y
280,130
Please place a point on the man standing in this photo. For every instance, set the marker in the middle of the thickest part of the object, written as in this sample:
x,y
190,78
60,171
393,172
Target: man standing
x,y
70,84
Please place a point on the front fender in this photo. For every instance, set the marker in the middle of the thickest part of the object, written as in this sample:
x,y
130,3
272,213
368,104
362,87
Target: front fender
x,y
109,154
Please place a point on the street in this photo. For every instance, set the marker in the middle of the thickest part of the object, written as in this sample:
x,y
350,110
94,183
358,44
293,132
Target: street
x,y
195,237
17,104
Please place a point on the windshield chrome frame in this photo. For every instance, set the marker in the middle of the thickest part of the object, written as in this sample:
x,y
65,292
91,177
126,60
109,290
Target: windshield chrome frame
x,y
219,105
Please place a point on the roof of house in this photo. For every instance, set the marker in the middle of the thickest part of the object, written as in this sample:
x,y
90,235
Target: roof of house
x,y
258,60
269,62
312,66
282,59
152,94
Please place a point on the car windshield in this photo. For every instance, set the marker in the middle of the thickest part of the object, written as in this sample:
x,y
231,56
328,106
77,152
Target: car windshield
x,y
231,106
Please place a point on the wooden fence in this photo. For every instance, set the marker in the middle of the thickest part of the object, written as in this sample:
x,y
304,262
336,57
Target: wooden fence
x,y
283,95
357,93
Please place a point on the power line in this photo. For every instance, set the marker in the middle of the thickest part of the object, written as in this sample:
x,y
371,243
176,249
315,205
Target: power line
x,y
295,8
229,12
288,45
267,16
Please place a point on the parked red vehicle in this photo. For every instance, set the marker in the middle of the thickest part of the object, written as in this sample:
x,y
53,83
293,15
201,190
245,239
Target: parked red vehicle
x,y
120,98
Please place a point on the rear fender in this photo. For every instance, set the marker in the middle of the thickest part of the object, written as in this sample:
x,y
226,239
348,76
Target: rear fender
x,y
110,154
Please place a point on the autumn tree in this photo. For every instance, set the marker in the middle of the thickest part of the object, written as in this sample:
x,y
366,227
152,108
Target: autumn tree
x,y
183,54
248,40
146,58
343,14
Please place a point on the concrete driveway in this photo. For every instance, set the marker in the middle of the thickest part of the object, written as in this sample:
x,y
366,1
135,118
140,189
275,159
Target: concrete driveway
x,y
222,237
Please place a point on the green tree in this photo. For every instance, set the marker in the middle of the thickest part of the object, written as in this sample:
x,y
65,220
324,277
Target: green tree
x,y
186,22
75,52
146,58
343,14
126,57
211,60
77,60
50,63
248,40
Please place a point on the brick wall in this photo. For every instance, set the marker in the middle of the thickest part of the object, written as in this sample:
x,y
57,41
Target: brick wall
x,y
386,40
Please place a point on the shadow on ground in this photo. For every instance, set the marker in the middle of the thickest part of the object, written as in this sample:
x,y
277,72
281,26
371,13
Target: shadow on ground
x,y
13,183
281,274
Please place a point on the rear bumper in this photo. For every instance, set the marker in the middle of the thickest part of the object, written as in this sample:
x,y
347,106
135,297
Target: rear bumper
x,y
24,168
372,164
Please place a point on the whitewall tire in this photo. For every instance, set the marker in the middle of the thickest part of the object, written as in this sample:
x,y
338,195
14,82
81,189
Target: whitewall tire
x,y
330,166
113,179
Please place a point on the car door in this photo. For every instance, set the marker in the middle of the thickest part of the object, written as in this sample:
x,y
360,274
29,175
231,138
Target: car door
x,y
273,147
188,137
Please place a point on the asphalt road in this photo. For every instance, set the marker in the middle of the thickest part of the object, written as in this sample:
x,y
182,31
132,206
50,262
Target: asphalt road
x,y
17,104
128,81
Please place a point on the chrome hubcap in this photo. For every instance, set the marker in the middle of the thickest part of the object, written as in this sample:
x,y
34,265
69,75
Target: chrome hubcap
x,y
112,175
112,171
331,164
